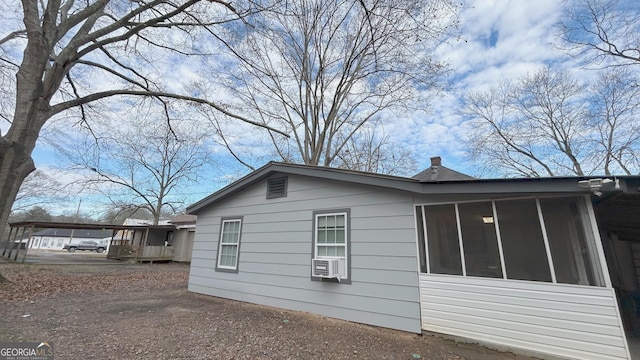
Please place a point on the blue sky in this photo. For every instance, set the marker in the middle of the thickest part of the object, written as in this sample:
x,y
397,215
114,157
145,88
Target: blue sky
x,y
501,40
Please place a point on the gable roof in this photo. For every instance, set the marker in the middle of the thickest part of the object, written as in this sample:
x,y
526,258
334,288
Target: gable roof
x,y
549,185
320,172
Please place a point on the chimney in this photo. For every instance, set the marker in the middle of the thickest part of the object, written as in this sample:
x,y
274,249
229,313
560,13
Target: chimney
x,y
436,161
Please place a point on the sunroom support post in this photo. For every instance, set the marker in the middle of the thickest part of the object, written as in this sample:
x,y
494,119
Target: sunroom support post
x,y
604,268
545,237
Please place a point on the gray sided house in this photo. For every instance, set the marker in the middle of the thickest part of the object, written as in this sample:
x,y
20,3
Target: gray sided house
x,y
539,265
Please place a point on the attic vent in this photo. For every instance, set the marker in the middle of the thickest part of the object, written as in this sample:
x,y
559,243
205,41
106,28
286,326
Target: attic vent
x,y
276,188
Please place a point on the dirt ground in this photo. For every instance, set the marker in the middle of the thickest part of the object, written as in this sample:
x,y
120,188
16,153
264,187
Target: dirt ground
x,y
142,311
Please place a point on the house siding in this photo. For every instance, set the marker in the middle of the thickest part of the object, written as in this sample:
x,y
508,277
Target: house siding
x,y
571,321
274,266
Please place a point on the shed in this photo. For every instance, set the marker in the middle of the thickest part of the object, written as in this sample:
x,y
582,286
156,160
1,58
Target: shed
x,y
183,236
517,263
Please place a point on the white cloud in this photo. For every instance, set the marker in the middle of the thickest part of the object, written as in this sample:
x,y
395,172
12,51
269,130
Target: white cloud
x,y
501,41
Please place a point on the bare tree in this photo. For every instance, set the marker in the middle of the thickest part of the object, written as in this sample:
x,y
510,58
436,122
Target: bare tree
x,y
38,189
530,128
141,167
614,105
118,215
372,150
548,124
68,54
603,30
320,70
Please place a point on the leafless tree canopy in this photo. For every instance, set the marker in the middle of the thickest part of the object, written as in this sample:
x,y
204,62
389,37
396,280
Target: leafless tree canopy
x,y
371,150
320,70
140,167
603,32
549,124
58,55
38,189
614,103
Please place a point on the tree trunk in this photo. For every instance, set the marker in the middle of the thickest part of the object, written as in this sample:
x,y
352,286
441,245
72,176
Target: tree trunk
x,y
31,112
15,165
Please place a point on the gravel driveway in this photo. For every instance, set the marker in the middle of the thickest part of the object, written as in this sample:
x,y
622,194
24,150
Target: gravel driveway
x,y
133,311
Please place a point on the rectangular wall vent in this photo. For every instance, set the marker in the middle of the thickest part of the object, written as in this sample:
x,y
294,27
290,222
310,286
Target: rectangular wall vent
x,y
276,187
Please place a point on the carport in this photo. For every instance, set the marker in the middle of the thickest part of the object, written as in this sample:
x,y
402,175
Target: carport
x,y
618,216
137,242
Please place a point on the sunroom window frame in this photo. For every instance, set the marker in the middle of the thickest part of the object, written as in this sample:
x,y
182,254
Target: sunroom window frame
x,y
587,215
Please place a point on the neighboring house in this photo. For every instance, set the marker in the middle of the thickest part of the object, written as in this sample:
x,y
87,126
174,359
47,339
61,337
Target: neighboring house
x,y
511,262
55,239
134,240
182,240
170,240
142,241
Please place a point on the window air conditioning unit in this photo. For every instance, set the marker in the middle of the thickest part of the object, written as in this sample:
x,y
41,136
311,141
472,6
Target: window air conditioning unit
x,y
325,268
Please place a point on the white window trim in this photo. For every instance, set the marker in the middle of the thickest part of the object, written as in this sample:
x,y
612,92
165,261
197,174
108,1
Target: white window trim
x,y
227,268
347,241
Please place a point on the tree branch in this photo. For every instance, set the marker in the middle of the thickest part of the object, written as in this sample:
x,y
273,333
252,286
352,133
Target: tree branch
x,y
13,35
105,94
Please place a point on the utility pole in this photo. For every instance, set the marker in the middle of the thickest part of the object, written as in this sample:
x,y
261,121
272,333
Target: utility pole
x,y
76,221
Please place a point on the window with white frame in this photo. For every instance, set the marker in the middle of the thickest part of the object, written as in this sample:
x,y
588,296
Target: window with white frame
x,y
331,239
536,239
229,245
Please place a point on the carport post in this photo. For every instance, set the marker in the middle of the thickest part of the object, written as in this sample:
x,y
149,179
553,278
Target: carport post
x,y
26,246
6,243
15,258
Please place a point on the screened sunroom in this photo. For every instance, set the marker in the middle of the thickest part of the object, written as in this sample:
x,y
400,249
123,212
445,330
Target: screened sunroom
x,y
526,272
536,239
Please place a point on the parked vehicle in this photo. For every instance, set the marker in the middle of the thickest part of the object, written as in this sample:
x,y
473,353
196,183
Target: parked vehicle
x,y
85,246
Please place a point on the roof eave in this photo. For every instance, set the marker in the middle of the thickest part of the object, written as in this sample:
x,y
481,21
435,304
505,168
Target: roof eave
x,y
550,185
271,168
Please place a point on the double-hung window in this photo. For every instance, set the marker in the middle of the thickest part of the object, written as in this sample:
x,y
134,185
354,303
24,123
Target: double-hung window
x,y
331,235
331,238
229,245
